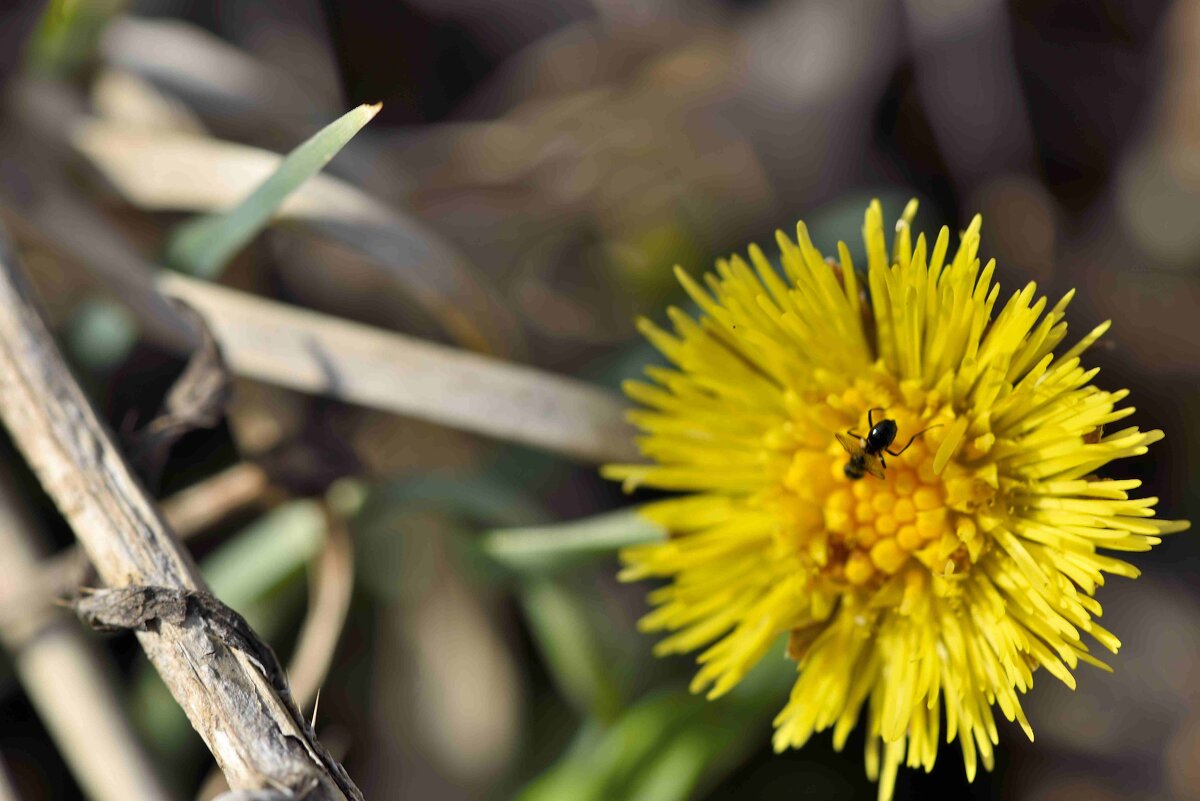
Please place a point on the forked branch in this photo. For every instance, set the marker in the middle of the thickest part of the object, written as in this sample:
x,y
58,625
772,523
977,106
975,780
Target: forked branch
x,y
254,737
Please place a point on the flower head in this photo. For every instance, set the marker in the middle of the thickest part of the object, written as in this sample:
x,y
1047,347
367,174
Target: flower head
x,y
929,596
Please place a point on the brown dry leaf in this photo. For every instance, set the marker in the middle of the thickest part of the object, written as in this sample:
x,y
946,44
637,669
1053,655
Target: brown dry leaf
x,y
197,399
331,583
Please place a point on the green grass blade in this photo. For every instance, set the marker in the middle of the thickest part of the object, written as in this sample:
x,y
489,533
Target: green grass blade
x,y
577,644
562,545
66,36
670,744
203,246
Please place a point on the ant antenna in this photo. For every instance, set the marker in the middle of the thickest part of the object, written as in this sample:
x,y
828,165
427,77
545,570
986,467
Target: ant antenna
x,y
912,439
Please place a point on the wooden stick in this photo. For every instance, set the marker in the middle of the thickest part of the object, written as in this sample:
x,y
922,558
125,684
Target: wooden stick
x,y
69,686
7,791
65,679
227,697
189,512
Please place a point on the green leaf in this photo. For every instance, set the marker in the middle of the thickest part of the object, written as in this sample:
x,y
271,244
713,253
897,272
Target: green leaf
x,y
265,554
570,633
562,545
101,333
454,507
670,744
67,34
204,246
477,498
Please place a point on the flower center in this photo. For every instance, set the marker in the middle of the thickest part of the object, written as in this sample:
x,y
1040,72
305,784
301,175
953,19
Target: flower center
x,y
877,525
857,533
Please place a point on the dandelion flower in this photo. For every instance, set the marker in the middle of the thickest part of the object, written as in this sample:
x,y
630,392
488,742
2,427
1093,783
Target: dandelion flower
x,y
929,596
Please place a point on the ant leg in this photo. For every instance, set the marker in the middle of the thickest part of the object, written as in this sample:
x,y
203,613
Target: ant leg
x,y
870,421
854,433
912,439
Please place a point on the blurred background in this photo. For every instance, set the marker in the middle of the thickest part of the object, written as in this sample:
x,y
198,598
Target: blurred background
x,y
536,170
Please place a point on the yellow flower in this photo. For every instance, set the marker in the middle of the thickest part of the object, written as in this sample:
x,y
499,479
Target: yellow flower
x,y
931,595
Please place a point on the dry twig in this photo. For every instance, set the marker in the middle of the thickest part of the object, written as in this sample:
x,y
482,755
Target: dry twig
x,y
331,583
7,791
62,675
313,352
197,399
224,692
188,512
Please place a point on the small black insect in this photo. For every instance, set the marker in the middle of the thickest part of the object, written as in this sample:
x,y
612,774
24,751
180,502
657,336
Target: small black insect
x,y
866,453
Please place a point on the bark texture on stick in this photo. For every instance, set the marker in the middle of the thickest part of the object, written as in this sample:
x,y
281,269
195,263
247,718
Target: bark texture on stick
x,y
231,703
188,513
65,679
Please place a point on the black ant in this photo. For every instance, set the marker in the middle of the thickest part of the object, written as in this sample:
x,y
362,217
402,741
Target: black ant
x,y
866,453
